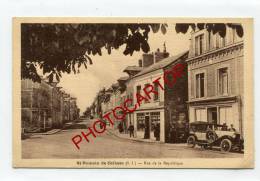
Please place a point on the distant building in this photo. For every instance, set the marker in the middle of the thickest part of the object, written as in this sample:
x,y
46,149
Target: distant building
x,y
66,107
74,114
115,101
36,105
45,106
215,68
123,96
56,109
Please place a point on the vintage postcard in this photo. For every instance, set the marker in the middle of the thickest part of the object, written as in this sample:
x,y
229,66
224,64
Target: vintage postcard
x,y
133,92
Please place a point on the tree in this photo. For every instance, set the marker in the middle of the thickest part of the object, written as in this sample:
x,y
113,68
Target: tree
x,y
87,113
59,48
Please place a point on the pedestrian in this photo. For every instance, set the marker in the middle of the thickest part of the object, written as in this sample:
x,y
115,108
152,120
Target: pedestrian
x,y
120,127
146,132
224,127
157,132
131,130
232,128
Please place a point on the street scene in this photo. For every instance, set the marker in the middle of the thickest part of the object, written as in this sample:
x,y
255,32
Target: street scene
x,y
109,145
132,91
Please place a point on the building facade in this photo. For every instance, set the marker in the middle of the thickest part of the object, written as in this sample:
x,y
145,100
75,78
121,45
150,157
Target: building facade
x,y
215,71
166,109
66,107
74,112
35,105
129,84
44,106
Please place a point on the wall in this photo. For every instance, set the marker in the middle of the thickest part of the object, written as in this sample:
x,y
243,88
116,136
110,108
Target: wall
x,y
176,112
232,59
148,79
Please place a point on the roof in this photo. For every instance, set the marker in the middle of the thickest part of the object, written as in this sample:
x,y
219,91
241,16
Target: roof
x,y
115,85
123,78
161,64
203,123
133,68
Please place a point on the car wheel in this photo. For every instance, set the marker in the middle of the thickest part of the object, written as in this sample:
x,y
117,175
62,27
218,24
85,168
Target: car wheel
x,y
211,136
225,145
191,141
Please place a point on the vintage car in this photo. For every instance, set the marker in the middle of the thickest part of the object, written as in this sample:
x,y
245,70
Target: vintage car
x,y
208,135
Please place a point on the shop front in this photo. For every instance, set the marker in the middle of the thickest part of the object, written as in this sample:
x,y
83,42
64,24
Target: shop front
x,y
148,124
220,112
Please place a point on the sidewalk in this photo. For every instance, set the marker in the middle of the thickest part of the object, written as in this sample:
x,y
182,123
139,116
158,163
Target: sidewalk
x,y
53,131
127,137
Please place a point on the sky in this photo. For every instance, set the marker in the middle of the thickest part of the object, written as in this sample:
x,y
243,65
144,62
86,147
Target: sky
x,y
106,69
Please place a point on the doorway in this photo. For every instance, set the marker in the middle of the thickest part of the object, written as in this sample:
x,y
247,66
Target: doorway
x,y
147,127
212,115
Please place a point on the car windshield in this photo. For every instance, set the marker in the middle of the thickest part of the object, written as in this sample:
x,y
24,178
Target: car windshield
x,y
205,127
199,127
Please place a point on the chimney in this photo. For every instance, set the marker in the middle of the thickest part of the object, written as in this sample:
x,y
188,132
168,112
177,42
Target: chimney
x,y
161,55
148,59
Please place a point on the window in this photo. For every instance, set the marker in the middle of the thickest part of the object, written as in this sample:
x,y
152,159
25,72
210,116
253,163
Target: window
x,y
147,99
233,35
156,89
226,116
155,119
212,115
223,81
201,115
140,121
199,85
138,89
199,44
131,97
140,62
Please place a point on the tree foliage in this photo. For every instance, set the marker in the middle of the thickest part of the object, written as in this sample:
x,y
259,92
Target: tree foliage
x,y
60,48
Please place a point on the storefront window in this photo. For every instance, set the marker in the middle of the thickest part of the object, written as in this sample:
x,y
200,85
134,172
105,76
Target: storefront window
x,y
226,116
201,115
140,121
155,119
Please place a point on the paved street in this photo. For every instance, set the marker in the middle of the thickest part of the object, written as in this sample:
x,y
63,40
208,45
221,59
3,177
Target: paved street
x,y
59,145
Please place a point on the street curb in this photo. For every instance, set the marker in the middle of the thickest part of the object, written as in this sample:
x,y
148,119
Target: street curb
x,y
57,131
150,142
136,140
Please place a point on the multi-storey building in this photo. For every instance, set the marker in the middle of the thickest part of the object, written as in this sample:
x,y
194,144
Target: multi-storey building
x,y
169,106
36,105
74,114
66,107
56,106
115,102
106,103
131,71
44,106
215,71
